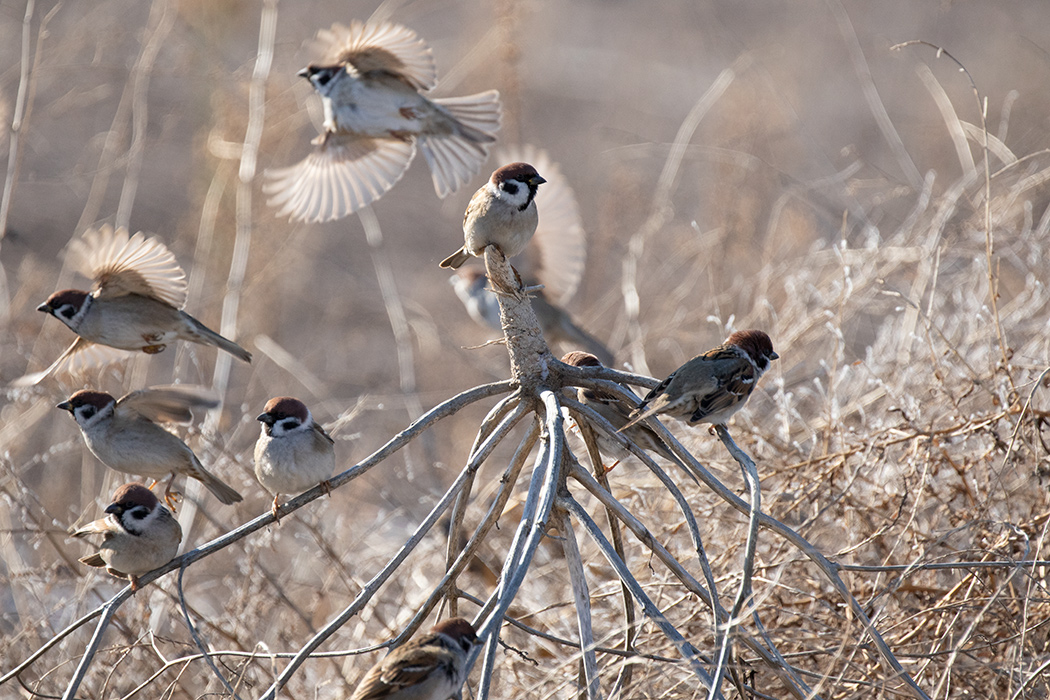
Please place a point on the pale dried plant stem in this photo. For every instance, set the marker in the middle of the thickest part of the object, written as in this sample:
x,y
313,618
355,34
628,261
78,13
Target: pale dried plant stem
x,y
161,19
395,311
582,599
648,607
661,212
243,207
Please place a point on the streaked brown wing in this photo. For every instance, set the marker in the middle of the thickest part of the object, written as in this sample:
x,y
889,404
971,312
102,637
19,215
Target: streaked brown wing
x,y
321,435
382,46
733,387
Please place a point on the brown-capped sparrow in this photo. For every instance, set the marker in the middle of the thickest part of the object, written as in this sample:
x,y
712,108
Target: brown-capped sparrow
x,y
713,386
293,451
502,213
124,436
431,667
555,258
134,304
138,534
371,82
472,288
613,410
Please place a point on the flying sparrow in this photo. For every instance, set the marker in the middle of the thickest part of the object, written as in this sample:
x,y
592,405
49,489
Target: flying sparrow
x,y
471,286
138,535
124,436
613,410
713,386
293,452
430,667
135,303
371,84
502,213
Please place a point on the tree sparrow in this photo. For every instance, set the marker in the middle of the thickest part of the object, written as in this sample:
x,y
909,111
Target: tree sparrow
x,y
138,535
713,386
613,410
293,452
431,667
135,303
502,213
371,83
124,436
471,286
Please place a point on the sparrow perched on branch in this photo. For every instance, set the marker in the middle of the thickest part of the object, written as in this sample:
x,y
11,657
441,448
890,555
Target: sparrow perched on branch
x,y
124,435
555,258
138,534
135,303
713,386
613,410
431,667
371,82
293,452
502,213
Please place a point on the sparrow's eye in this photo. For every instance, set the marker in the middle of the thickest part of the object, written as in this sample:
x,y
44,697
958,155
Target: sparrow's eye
x,y
510,187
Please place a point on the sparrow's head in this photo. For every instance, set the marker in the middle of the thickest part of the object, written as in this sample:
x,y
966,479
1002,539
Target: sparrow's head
x,y
321,77
757,345
67,306
577,358
516,183
458,630
88,407
282,415
133,506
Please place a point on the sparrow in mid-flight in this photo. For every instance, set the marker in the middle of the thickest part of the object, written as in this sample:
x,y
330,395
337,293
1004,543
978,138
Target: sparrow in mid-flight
x,y
371,82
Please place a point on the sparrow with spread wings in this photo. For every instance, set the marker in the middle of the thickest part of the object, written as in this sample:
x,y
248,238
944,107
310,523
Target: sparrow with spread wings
x,y
371,82
135,303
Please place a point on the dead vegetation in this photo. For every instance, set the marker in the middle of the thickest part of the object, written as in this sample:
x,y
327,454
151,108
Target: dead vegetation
x,y
903,279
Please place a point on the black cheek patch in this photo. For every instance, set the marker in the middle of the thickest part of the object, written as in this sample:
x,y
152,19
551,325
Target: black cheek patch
x,y
510,187
290,424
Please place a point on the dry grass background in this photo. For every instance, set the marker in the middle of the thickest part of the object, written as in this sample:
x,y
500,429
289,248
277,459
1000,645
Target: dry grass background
x,y
827,197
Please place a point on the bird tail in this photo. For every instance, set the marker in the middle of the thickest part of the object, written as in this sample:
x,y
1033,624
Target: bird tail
x,y
455,157
210,337
224,492
455,260
638,415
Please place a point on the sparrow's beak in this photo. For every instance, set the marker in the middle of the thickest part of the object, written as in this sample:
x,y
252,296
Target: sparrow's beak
x,y
44,307
266,418
65,406
115,508
536,180
305,72
774,356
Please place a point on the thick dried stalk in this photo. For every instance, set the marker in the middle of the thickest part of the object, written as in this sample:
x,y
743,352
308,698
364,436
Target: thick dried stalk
x,y
581,596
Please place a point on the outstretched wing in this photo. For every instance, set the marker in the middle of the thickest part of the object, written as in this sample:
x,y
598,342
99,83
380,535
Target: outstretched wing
x,y
121,264
385,47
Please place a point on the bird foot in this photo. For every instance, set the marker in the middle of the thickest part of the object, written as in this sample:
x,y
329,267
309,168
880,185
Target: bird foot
x,y
275,508
153,349
326,486
172,499
134,582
